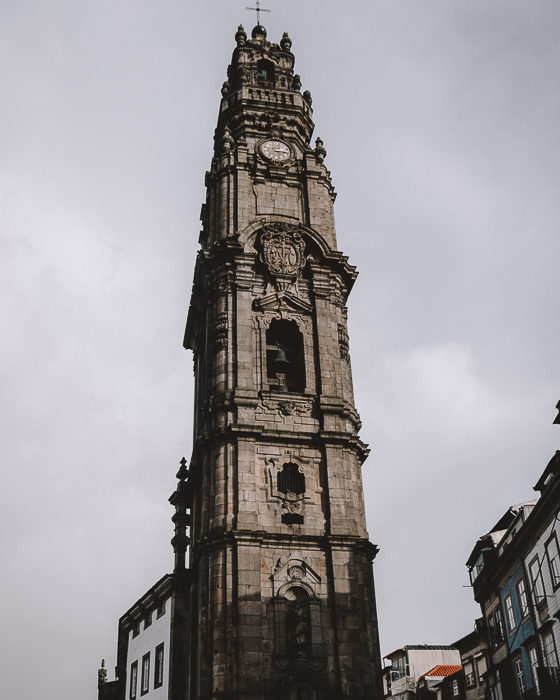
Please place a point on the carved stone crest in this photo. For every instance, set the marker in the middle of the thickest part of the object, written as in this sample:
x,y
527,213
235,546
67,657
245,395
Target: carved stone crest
x,y
283,252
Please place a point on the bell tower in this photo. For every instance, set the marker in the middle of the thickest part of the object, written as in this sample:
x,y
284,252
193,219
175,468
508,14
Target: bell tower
x,y
281,601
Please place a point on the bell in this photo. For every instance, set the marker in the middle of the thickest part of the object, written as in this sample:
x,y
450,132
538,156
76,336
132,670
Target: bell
x,y
280,362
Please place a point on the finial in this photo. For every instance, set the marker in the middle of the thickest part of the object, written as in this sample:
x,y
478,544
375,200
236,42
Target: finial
x,y
183,472
227,141
307,97
285,42
258,9
556,421
320,151
102,674
240,36
181,499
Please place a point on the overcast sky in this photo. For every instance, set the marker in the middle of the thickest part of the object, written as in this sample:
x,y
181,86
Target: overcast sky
x,y
441,121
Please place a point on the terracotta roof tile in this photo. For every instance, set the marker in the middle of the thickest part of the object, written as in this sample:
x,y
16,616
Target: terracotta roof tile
x,y
441,671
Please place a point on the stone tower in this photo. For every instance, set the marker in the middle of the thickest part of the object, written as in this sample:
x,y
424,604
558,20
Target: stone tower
x,y
281,601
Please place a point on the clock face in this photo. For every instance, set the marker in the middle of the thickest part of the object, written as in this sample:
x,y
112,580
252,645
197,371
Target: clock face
x,y
276,151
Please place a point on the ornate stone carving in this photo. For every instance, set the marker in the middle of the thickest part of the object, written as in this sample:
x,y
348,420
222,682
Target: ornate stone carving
x,y
227,141
221,330
296,571
289,407
343,342
292,503
283,253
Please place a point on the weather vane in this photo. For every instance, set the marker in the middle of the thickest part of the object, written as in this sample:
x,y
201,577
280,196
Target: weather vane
x,y
259,10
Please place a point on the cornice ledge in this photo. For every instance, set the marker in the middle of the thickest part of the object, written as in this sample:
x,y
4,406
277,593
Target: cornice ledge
x,y
347,440
333,405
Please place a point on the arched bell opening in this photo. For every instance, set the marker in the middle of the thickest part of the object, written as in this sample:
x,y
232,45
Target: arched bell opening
x,y
285,362
265,71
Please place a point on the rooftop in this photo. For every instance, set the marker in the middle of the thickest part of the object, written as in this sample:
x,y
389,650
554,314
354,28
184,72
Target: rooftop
x,y
441,671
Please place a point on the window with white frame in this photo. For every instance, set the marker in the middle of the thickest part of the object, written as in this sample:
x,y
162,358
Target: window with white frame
x,y
549,648
510,616
536,580
469,674
520,676
481,667
553,556
534,663
455,687
496,687
499,625
522,597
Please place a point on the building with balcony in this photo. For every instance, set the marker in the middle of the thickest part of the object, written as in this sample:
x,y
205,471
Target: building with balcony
x,y
515,574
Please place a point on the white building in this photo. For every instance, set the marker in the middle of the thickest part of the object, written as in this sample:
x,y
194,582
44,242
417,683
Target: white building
x,y
151,649
413,661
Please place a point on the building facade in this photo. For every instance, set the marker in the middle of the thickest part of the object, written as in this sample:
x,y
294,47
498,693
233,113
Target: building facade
x,y
515,573
474,659
278,594
411,663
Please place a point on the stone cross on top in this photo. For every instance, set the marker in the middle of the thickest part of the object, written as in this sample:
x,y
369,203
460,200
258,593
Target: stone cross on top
x,y
258,9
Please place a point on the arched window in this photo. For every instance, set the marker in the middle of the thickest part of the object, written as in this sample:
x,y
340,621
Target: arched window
x,y
285,364
298,624
265,70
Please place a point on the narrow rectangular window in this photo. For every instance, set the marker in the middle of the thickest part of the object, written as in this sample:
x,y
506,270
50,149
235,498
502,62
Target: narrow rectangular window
x,y
145,674
158,671
520,676
492,628
534,662
455,687
161,609
499,626
536,580
148,620
133,680
553,557
481,668
469,674
497,688
136,629
510,616
522,596
550,656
